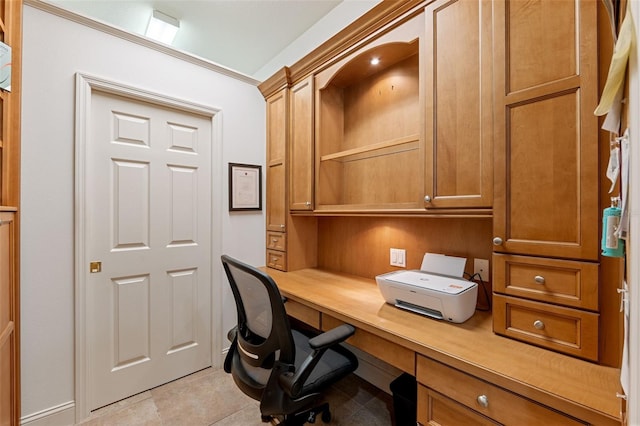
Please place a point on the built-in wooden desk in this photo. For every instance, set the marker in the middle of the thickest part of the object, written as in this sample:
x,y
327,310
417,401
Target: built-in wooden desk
x,y
580,389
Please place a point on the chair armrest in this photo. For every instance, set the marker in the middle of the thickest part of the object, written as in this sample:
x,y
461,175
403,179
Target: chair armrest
x,y
292,383
331,337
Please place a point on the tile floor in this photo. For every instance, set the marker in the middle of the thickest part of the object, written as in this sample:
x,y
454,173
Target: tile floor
x,y
210,397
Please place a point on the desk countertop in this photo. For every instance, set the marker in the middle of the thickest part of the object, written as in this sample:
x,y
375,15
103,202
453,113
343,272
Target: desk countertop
x,y
568,384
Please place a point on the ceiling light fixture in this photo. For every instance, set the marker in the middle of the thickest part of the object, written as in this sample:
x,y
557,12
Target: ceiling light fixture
x,y
162,27
375,61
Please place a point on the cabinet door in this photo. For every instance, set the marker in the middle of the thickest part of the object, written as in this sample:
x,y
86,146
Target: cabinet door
x,y
435,409
458,104
301,146
8,317
277,110
546,144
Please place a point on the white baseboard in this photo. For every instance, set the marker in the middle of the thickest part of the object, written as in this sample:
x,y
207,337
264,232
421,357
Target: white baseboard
x,y
60,415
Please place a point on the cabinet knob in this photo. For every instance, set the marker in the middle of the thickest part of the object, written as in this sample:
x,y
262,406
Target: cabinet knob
x,y
308,203
539,279
497,241
282,226
427,198
538,324
483,401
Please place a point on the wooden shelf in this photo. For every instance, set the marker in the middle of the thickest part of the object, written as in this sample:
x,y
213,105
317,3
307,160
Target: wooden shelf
x,y
375,210
407,142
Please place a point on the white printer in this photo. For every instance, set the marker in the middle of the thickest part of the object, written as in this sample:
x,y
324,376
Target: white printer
x,y
436,290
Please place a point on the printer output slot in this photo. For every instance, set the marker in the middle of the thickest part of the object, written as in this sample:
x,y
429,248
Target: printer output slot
x,y
419,309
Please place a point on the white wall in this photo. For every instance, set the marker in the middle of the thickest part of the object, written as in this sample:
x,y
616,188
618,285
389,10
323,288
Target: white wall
x,y
332,23
54,50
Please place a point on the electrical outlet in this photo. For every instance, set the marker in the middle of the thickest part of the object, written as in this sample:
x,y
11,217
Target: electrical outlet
x,y
397,257
481,267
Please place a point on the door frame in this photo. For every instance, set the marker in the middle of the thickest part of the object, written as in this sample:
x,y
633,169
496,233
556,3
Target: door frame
x,y
86,86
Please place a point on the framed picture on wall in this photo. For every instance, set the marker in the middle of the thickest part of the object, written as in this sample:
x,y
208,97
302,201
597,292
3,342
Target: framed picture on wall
x,y
245,187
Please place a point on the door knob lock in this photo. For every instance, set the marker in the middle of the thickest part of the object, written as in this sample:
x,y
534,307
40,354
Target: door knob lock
x,y
95,267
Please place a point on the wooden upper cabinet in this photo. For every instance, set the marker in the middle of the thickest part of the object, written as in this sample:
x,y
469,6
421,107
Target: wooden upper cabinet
x,y
414,131
369,147
546,144
276,204
301,146
458,104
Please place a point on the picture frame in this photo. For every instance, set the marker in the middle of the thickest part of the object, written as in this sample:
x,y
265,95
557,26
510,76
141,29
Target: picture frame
x,y
245,187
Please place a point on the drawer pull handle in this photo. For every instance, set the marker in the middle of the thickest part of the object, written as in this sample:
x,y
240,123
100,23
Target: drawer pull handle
x,y
483,401
275,240
497,241
539,279
538,324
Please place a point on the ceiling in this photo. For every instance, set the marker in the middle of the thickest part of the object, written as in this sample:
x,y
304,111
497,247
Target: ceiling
x,y
239,34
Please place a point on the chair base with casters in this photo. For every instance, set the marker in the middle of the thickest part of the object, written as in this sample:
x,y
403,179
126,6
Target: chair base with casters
x,y
283,368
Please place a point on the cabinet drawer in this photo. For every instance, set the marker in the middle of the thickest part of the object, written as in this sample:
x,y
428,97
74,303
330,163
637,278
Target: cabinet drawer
x,y
277,260
555,327
389,352
276,241
303,313
564,282
437,409
489,400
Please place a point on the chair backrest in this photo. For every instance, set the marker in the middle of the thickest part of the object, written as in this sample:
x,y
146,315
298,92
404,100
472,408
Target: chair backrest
x,y
263,334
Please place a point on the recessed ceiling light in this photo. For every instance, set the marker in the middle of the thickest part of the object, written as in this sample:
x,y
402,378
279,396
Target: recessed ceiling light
x,y
375,61
162,27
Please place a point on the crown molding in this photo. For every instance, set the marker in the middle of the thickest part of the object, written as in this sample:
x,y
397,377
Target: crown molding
x,y
140,40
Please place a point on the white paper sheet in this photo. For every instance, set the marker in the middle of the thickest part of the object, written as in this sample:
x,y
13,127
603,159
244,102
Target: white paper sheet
x,y
443,265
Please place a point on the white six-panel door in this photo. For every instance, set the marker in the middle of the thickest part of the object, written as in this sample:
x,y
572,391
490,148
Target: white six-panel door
x,y
148,222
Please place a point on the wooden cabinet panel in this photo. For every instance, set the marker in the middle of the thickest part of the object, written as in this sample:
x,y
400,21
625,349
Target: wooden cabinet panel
x,y
542,33
389,352
458,103
546,144
435,409
276,241
566,330
489,400
560,281
301,146
277,110
9,397
546,180
277,260
303,313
